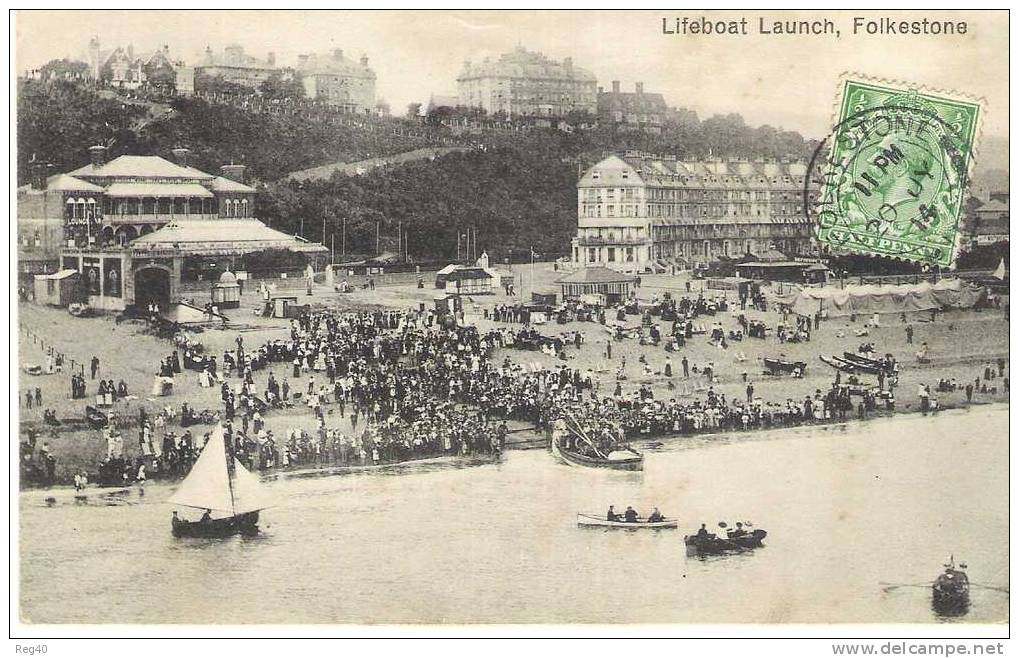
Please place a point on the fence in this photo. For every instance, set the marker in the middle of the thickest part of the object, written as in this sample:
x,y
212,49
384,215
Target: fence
x,y
40,341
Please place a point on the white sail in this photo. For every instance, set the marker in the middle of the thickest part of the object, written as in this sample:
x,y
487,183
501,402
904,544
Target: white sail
x,y
249,494
999,273
207,486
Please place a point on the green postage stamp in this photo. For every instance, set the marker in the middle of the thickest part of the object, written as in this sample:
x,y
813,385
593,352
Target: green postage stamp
x,y
897,171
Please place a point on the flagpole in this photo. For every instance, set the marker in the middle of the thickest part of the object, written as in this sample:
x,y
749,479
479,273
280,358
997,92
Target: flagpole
x,y
531,287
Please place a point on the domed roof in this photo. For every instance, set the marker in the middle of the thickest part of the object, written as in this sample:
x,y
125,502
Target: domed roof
x,y
227,277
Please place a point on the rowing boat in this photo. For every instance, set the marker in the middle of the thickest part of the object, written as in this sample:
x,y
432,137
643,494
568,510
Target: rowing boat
x,y
592,521
840,364
712,544
882,364
777,366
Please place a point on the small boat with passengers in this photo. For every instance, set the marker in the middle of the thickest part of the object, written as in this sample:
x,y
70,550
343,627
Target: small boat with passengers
x,y
596,521
950,591
736,540
219,484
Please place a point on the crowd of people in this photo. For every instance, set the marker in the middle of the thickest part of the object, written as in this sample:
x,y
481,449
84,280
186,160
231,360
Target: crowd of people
x,y
410,390
410,387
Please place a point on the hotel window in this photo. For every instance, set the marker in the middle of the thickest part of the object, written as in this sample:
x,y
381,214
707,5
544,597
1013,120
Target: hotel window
x,y
610,211
629,254
612,254
590,255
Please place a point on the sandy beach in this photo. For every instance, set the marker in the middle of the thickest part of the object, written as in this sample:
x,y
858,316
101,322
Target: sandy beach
x,y
961,343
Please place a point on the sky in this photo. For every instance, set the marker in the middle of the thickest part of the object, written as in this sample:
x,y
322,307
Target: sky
x,y
787,81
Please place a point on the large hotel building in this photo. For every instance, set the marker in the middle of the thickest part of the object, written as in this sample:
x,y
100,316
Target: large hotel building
x,y
526,83
639,212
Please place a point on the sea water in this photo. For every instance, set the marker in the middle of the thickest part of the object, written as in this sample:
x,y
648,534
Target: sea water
x,y
849,509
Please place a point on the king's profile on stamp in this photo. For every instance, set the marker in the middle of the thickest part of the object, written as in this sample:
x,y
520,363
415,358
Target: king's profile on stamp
x,y
897,171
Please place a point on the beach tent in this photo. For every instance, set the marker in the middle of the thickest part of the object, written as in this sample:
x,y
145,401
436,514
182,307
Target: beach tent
x,y
867,299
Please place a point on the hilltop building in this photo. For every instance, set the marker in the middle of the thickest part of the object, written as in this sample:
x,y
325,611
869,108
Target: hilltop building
x,y
639,212
339,81
525,83
638,109
235,66
134,226
123,67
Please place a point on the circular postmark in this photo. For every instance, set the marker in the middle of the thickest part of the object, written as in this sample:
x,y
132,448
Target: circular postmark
x,y
889,180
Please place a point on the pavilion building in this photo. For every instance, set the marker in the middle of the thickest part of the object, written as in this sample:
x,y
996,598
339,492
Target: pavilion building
x,y
135,226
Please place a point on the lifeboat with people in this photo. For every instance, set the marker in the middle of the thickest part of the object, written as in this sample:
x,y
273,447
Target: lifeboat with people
x,y
736,540
950,591
622,458
229,494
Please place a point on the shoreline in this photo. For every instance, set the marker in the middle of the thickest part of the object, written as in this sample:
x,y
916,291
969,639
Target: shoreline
x,y
703,439
961,344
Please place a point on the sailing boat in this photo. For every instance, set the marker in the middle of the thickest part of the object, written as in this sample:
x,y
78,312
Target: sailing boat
x,y
220,485
1000,273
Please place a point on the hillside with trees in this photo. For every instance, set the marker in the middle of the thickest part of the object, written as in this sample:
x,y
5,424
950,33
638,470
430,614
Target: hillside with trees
x,y
516,188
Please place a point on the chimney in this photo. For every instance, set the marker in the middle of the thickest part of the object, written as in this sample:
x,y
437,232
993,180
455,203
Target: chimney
x,y
38,170
182,156
271,58
166,48
234,172
640,88
615,86
97,154
364,61
338,54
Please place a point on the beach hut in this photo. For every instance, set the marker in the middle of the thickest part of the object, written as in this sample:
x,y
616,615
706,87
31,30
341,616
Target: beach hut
x,y
544,296
57,289
611,286
466,280
284,306
816,273
443,275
